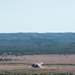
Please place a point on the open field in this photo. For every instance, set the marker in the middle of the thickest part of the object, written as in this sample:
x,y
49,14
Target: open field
x,y
52,64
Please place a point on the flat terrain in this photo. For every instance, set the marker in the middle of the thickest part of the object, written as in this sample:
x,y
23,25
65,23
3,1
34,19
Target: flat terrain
x,y
52,63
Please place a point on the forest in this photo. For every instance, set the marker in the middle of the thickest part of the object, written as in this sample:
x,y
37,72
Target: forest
x,y
37,43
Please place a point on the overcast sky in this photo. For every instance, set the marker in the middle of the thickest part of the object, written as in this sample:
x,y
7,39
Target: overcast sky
x,y
37,16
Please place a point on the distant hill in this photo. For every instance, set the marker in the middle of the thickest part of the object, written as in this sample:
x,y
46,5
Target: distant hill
x,y
37,43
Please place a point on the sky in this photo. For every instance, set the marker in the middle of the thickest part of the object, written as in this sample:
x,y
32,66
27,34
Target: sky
x,y
37,16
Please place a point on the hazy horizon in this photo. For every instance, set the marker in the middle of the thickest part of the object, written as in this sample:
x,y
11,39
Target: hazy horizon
x,y
40,32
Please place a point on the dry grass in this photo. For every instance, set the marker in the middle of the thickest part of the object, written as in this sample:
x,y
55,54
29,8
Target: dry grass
x,y
21,63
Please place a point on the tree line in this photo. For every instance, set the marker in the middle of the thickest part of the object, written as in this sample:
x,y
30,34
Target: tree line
x,y
37,43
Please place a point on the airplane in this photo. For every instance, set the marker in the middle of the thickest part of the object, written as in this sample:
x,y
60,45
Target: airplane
x,y
37,65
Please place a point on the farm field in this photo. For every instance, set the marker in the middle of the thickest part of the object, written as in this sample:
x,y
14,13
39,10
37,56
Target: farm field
x,y
52,64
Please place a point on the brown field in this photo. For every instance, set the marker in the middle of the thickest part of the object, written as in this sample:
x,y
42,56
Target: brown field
x,y
52,63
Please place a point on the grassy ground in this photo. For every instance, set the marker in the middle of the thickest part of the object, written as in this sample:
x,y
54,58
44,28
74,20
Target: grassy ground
x,y
53,65
31,72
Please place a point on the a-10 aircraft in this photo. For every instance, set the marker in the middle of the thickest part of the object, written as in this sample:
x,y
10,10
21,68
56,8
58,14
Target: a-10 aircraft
x,y
37,65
